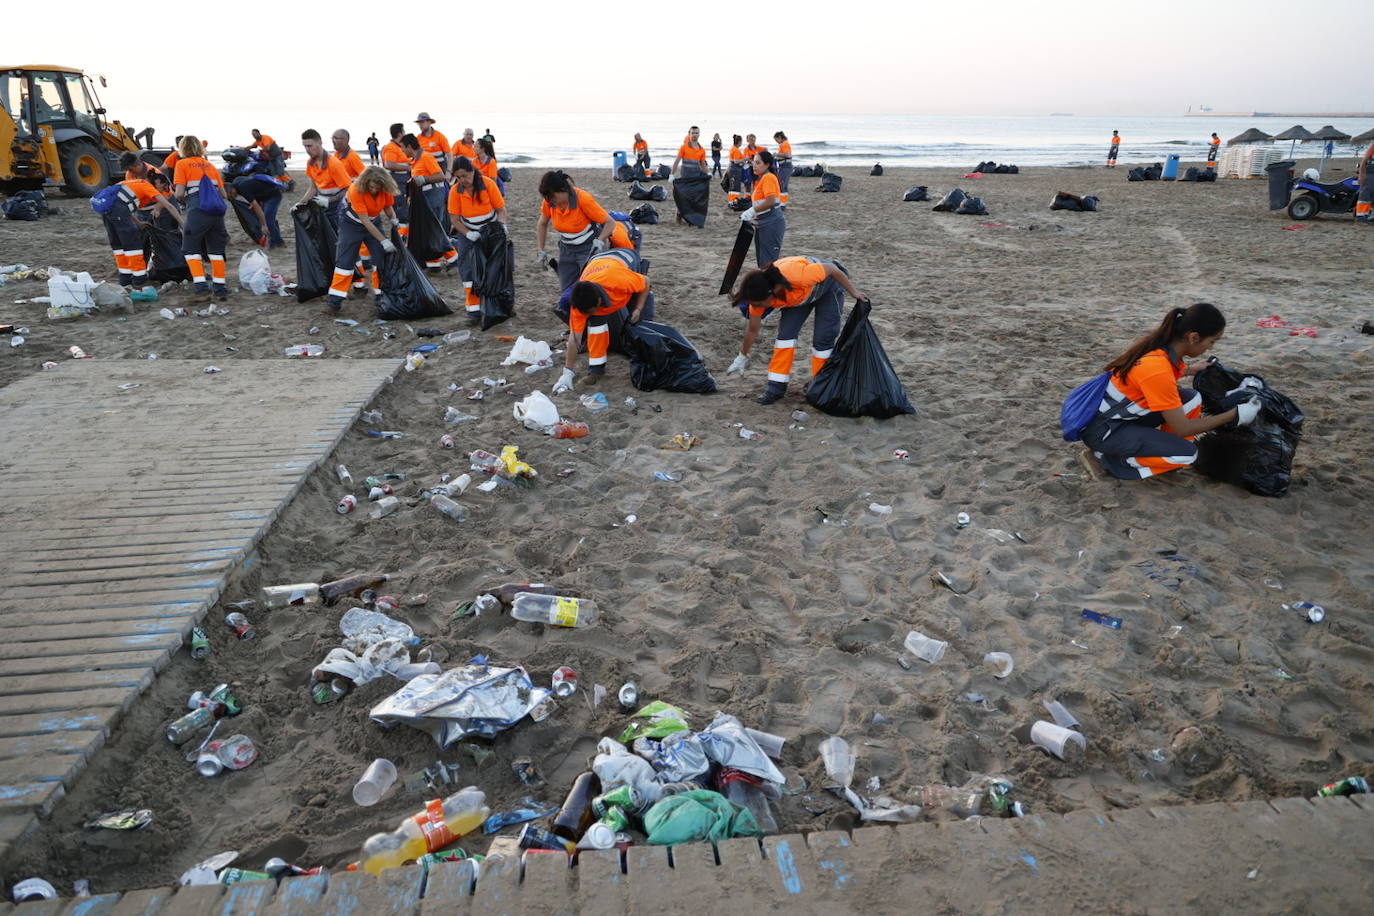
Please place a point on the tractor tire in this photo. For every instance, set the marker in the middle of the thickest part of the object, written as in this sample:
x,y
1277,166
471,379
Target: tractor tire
x,y
1304,207
84,167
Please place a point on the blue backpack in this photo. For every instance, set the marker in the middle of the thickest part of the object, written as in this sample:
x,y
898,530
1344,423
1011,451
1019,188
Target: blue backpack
x,y
211,200
104,200
1080,407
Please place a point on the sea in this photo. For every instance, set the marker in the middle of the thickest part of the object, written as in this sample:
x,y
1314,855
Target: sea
x,y
544,141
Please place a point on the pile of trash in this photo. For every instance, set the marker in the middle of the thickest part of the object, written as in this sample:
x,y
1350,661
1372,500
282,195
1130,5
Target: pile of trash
x,y
993,168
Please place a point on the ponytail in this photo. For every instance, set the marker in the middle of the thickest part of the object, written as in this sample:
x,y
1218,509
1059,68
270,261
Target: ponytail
x,y
555,182
1203,318
464,164
758,285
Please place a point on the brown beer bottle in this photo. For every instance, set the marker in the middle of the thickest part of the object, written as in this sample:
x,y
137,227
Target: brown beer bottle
x,y
351,587
576,815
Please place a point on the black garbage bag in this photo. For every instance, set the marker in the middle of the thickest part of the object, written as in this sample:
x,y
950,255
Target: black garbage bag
x,y
692,194
858,380
951,201
315,244
876,170
641,191
1207,175
1136,174
662,359
663,172
740,204
25,206
1192,173
1258,457
1154,172
972,206
1063,200
917,193
491,262
830,182
984,167
407,293
427,240
165,260
625,173
249,222
645,215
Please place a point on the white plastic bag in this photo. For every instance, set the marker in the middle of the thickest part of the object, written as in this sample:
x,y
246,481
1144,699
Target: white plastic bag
x,y
255,272
536,411
527,351
615,766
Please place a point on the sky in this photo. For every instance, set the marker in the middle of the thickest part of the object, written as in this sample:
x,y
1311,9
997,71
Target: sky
x,y
800,56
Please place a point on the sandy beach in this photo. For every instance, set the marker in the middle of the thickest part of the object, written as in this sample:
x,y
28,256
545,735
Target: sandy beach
x,y
732,592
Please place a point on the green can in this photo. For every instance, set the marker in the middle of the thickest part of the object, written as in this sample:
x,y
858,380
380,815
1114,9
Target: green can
x,y
223,695
231,876
621,797
373,481
200,643
616,819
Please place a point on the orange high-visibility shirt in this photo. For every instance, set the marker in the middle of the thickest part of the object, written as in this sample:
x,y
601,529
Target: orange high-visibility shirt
x,y
332,176
265,142
425,166
368,205
785,150
434,143
1114,141
641,146
487,168
765,187
685,151
465,149
352,163
171,161
472,204
1152,382
803,273
145,195
620,284
190,171
572,220
735,153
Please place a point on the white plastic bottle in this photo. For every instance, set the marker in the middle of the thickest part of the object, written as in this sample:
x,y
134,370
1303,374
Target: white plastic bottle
x,y
554,610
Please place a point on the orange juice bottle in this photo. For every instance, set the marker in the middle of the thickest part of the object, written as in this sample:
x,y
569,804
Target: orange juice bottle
x,y
439,824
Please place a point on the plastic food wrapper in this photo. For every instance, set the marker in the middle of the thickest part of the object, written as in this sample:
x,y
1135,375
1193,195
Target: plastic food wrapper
x,y
385,656
839,766
682,442
536,411
360,622
697,815
513,465
527,351
663,720
122,820
677,758
616,767
726,742
205,872
473,700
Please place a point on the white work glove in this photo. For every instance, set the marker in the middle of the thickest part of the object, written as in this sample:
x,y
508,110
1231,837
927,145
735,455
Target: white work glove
x,y
747,215
1251,382
598,246
543,258
565,382
738,366
388,246
474,236
1246,413
321,200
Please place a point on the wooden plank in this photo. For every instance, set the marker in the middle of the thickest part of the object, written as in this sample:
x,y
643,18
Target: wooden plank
x,y
142,902
166,643
448,888
16,827
298,896
38,797
65,701
157,572
24,685
178,554
93,718
133,631
70,742
41,768
65,609
105,661
95,905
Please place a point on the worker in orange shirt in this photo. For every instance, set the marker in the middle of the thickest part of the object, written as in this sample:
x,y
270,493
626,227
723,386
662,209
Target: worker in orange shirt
x,y
641,151
467,146
135,198
485,161
203,231
474,201
609,292
428,177
169,164
1213,145
275,159
361,213
326,178
397,165
1146,423
136,167
738,165
691,155
798,286
766,212
352,162
783,163
1111,153
751,146
584,227
431,141
1364,173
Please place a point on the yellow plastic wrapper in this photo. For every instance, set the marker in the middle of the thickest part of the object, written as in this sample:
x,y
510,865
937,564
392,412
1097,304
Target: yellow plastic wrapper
x,y
514,466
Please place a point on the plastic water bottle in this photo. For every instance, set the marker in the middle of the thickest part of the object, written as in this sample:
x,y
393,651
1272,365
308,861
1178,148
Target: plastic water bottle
x,y
438,825
345,478
304,350
449,507
485,461
566,429
554,610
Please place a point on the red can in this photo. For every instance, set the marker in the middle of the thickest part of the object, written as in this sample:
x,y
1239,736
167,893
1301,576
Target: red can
x,y
447,441
564,682
386,603
347,504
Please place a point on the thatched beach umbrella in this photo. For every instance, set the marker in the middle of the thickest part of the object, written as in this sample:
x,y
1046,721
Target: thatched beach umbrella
x,y
1253,135
1366,137
1295,133
1332,136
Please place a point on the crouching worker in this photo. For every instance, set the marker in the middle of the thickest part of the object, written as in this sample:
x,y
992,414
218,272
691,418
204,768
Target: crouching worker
x,y
1146,423
610,292
137,202
798,286
360,224
473,202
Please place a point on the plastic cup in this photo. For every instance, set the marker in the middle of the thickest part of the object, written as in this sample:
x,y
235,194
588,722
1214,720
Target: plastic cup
x,y
768,743
384,507
1000,662
1055,739
1062,717
376,779
925,648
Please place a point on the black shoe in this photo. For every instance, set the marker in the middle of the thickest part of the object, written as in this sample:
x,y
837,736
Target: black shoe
x,y
770,397
221,291
474,318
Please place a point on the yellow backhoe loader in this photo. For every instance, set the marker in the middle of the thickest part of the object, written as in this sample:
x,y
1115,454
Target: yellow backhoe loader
x,y
53,133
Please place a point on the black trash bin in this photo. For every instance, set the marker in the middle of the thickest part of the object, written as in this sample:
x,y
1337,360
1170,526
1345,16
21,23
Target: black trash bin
x,y
1280,183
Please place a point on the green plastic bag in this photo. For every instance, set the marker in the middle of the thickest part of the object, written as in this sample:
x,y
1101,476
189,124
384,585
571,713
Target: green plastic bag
x,y
698,815
664,719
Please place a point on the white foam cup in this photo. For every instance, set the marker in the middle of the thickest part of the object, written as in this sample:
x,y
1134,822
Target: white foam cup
x,y
1055,739
376,779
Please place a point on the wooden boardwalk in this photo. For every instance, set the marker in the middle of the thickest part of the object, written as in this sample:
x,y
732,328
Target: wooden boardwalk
x,y
133,491
1285,856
